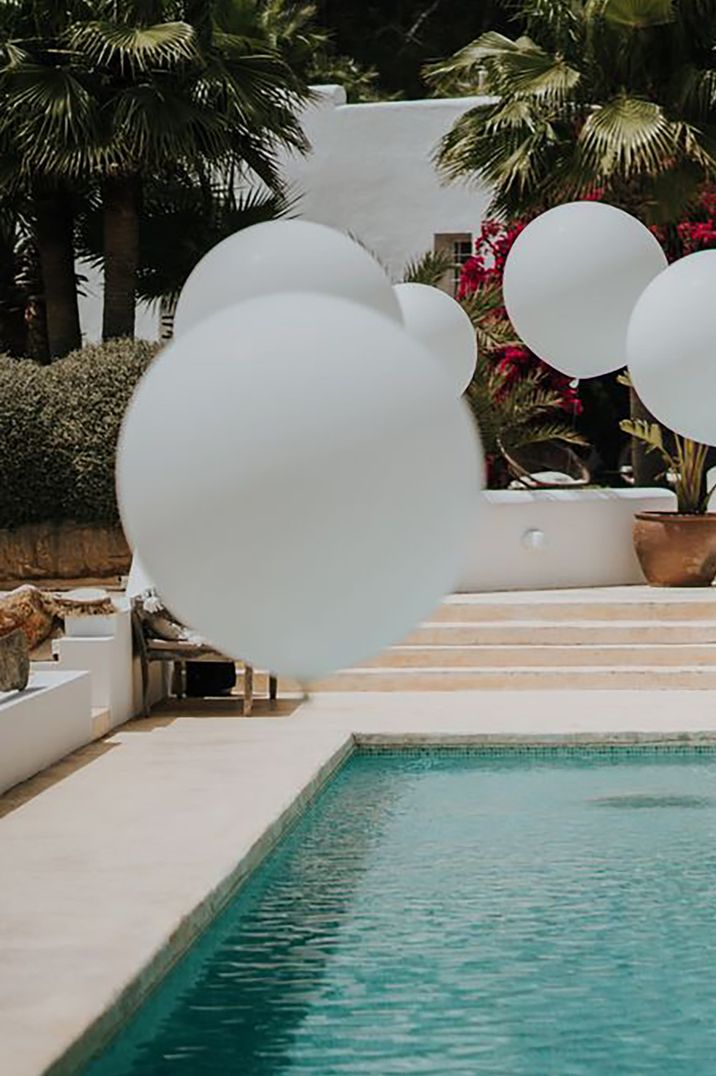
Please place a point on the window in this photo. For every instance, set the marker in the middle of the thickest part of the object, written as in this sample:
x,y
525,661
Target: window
x,y
459,246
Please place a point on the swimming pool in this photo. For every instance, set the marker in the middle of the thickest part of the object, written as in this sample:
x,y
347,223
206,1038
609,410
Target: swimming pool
x,y
546,912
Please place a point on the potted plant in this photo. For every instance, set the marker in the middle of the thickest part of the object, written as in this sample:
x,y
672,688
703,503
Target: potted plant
x,y
676,549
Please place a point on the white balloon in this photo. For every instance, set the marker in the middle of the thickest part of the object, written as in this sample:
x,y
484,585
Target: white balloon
x,y
671,350
299,481
571,281
439,322
279,256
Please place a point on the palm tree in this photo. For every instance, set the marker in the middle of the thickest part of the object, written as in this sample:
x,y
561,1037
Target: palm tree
x,y
34,72
610,96
108,95
183,215
179,94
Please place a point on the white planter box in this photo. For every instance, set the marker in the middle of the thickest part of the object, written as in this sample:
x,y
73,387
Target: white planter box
x,y
42,724
544,539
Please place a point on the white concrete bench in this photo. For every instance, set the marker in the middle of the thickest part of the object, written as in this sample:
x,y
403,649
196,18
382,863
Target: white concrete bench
x,y
43,723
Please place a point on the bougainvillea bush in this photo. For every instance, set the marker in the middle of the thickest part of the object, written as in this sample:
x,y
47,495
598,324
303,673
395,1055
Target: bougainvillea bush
x,y
696,233
521,399
484,270
597,406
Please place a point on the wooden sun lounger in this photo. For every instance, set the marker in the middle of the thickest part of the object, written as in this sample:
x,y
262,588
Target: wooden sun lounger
x,y
178,652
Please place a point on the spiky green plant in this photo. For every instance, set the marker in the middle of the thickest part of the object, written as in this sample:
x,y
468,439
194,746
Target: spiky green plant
x,y
430,268
686,463
514,414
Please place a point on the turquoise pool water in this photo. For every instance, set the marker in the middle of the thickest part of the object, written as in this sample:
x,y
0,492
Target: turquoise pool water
x,y
536,912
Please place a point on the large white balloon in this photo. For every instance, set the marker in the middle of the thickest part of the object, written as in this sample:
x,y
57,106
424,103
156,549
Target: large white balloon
x,y
671,347
439,322
571,281
299,481
283,255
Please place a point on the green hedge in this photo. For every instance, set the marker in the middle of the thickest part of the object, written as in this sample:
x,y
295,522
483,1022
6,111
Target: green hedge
x,y
58,432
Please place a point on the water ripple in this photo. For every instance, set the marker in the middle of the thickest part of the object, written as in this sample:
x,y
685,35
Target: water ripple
x,y
462,916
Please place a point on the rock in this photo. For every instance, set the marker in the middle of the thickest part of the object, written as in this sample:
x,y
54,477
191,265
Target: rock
x,y
14,661
37,612
30,610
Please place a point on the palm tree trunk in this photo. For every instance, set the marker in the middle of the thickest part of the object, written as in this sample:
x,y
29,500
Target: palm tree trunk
x,y
120,195
12,322
54,236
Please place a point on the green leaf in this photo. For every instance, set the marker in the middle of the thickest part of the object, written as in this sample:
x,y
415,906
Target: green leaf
x,y
628,135
139,48
430,268
636,14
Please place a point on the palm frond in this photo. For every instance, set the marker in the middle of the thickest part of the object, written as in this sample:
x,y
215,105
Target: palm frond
x,y
649,433
627,135
634,14
430,268
485,308
138,48
48,115
516,413
536,433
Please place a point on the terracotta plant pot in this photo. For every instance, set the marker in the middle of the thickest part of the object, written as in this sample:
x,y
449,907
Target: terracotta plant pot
x,y
676,550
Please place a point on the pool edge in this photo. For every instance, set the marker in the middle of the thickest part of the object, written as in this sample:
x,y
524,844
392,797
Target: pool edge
x,y
97,1034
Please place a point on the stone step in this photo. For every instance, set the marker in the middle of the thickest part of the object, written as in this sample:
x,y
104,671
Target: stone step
x,y
551,657
566,633
631,604
653,678
100,722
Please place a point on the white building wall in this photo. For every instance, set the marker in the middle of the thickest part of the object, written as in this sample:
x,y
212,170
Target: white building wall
x,y
370,173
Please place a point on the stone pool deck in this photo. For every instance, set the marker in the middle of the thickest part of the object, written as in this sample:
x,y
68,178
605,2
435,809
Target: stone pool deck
x,y
112,860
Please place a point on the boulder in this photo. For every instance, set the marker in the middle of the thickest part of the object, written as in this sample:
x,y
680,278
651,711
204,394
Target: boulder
x,y
36,612
14,661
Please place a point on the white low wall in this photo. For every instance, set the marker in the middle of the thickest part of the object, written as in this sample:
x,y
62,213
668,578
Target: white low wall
x,y
102,645
42,724
544,539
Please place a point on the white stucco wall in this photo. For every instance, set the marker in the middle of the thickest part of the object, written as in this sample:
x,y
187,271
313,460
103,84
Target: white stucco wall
x,y
558,538
369,173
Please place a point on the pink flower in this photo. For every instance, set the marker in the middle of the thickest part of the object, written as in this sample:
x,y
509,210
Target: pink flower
x,y
485,269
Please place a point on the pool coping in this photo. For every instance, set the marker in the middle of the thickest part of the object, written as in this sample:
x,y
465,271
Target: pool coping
x,y
324,734
96,1037
99,1033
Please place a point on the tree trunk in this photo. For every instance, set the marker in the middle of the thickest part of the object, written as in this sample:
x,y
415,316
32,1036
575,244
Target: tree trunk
x,y
36,321
648,466
53,232
12,322
120,195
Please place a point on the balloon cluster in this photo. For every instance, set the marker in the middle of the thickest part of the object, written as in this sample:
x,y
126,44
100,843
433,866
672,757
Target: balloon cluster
x,y
296,469
588,289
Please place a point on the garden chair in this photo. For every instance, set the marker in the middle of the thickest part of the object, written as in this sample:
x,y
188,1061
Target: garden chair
x,y
151,645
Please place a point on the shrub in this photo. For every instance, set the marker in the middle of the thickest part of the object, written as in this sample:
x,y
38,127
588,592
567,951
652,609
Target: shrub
x,y
58,432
